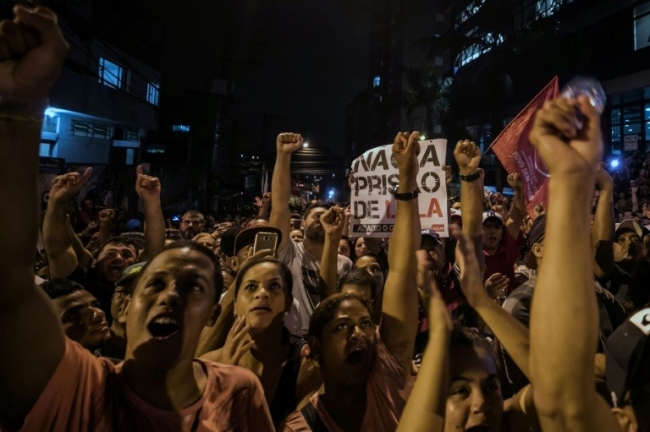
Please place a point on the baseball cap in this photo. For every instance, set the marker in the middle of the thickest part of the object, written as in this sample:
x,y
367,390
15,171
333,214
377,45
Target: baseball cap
x,y
130,273
492,214
632,225
535,235
246,237
626,351
228,241
427,233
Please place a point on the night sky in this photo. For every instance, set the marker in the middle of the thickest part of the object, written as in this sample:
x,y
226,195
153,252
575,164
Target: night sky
x,y
299,63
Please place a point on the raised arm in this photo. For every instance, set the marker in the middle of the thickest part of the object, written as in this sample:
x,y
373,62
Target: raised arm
x,y
84,257
602,231
512,334
57,238
400,306
30,333
285,144
518,209
333,222
468,157
425,410
148,189
563,348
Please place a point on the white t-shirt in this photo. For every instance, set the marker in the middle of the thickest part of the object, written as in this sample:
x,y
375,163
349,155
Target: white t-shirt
x,y
304,270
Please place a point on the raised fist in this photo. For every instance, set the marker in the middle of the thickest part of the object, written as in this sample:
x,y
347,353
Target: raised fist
x,y
288,142
68,185
147,187
406,146
514,180
32,54
106,216
468,156
565,148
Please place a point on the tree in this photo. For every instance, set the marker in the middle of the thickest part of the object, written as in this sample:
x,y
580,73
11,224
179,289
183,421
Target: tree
x,y
428,89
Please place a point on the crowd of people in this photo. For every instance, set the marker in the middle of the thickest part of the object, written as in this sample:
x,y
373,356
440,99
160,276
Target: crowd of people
x,y
284,322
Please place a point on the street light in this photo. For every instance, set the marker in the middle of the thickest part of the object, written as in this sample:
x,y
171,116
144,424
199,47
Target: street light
x,y
305,144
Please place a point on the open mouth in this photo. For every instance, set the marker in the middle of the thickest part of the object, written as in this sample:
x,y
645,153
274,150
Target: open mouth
x,y
164,327
261,309
356,357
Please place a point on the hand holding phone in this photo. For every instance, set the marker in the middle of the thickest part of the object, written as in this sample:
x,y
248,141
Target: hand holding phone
x,y
265,240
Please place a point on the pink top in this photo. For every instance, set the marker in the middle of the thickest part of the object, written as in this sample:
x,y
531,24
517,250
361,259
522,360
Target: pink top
x,y
387,391
86,393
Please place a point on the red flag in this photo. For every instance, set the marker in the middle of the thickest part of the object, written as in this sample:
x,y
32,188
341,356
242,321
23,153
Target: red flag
x,y
518,155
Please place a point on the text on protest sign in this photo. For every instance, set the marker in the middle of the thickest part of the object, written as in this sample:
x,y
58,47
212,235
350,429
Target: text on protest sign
x,y
375,175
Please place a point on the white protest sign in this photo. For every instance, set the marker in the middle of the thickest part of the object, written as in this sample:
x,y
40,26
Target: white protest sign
x,y
375,173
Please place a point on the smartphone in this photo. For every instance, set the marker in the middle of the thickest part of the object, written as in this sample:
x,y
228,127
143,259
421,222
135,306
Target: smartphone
x,y
265,240
176,219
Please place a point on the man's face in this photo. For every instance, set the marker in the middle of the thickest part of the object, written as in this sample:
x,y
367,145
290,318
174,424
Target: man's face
x,y
191,225
435,257
474,398
492,233
313,229
348,344
630,245
370,264
113,259
261,297
83,320
363,291
171,303
296,236
118,300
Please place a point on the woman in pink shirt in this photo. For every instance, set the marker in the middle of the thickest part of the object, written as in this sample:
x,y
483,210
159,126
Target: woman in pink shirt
x,y
365,368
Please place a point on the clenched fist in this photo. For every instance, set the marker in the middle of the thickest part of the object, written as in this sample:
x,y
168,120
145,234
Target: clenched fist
x,y
288,142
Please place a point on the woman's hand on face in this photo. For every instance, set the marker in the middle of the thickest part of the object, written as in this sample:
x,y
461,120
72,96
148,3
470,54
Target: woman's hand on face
x,y
237,343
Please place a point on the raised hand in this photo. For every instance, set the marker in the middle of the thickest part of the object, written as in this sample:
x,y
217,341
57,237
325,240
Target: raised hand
x,y
288,142
30,65
147,187
406,146
237,343
514,180
496,286
68,185
333,221
106,216
565,148
468,156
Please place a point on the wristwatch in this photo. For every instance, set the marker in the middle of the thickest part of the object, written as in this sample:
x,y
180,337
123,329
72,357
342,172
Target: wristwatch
x,y
471,177
405,196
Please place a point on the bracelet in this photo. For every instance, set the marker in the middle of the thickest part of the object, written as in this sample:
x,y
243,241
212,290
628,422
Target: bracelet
x,y
471,177
405,196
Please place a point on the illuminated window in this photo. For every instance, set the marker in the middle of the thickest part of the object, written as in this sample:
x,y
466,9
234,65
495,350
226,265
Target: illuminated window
x,y
153,90
110,74
642,26
376,81
181,128
546,8
91,130
469,11
476,50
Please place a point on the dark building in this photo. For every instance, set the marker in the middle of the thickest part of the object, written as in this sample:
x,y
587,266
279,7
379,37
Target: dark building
x,y
504,51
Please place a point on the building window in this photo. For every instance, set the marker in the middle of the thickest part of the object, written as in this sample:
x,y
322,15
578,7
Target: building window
x,y
180,128
153,90
131,135
50,124
129,156
45,150
470,10
376,81
110,74
476,50
90,130
642,26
